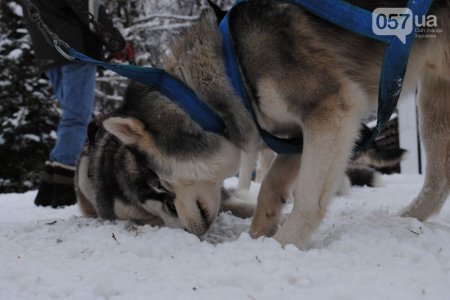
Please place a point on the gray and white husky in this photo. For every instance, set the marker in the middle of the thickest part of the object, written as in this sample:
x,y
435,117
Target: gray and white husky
x,y
144,168
305,76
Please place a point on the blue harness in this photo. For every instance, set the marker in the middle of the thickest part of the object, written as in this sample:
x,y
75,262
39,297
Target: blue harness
x,y
338,12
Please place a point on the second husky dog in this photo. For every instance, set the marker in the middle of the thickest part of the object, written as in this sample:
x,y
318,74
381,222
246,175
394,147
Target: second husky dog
x,y
121,176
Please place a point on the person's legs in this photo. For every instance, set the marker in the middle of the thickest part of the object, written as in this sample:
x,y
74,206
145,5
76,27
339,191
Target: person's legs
x,y
77,101
74,86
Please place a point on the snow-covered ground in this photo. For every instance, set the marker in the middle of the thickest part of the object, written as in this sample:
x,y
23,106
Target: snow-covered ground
x,y
363,250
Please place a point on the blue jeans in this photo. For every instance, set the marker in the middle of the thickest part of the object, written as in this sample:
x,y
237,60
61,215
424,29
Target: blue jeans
x,y
74,86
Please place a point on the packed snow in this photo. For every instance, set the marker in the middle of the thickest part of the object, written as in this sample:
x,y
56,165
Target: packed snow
x,y
362,250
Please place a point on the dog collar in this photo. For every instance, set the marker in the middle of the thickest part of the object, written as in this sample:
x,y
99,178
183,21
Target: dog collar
x,y
354,19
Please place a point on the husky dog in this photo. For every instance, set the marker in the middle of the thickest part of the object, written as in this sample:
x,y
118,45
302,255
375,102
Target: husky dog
x,y
151,164
365,162
305,76
304,72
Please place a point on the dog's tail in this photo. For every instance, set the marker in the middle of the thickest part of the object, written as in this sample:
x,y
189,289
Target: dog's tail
x,y
363,176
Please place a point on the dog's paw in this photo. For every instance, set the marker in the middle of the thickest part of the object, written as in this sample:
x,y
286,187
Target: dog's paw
x,y
294,231
266,230
421,208
264,224
413,212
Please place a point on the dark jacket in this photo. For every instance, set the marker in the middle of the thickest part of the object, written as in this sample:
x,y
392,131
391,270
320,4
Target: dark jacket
x,y
68,19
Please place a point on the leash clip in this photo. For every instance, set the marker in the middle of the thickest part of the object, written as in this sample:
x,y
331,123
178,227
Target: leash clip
x,y
58,44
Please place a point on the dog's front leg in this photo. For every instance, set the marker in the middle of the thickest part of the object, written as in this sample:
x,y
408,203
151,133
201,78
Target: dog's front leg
x,y
275,189
434,117
328,134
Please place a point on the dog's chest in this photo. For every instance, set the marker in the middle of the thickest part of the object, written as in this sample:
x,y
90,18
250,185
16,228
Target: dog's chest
x,y
272,110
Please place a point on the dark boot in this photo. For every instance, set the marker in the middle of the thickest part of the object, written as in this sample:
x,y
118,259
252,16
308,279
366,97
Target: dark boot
x,y
44,196
64,188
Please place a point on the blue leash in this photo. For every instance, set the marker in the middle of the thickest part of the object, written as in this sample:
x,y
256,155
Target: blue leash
x,y
354,19
168,85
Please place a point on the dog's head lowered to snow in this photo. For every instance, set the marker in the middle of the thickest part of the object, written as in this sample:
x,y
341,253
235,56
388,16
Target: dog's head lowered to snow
x,y
190,162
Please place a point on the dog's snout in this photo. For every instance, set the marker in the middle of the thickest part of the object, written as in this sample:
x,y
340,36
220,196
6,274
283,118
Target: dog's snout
x,y
198,206
201,223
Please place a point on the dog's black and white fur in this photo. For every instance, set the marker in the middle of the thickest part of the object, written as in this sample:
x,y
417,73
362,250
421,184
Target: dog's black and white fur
x,y
124,176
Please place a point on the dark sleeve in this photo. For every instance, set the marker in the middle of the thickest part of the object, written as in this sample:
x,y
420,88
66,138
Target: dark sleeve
x,y
81,9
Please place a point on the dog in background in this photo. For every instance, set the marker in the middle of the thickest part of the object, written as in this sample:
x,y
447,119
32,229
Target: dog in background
x,y
361,169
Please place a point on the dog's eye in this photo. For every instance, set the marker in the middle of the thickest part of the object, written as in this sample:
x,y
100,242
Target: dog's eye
x,y
165,185
159,187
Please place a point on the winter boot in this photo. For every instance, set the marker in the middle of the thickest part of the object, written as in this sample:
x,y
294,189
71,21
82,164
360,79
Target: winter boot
x,y
64,188
44,196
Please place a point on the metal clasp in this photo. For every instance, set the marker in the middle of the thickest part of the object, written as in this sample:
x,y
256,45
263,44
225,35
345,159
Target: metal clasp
x,y
57,44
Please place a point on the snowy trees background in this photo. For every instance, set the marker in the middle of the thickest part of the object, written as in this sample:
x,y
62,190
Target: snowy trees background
x,y
28,114
28,109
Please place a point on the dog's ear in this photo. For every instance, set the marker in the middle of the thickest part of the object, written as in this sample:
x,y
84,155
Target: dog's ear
x,y
128,130
220,13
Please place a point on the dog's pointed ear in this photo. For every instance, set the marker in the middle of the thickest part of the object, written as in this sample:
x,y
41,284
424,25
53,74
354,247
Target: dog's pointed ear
x,y
220,13
128,130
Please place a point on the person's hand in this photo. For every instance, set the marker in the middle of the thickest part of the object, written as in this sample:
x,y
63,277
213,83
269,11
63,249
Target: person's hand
x,y
127,53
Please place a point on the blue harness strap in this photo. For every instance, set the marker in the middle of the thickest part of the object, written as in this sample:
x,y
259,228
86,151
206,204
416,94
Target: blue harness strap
x,y
396,55
168,85
354,19
278,145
